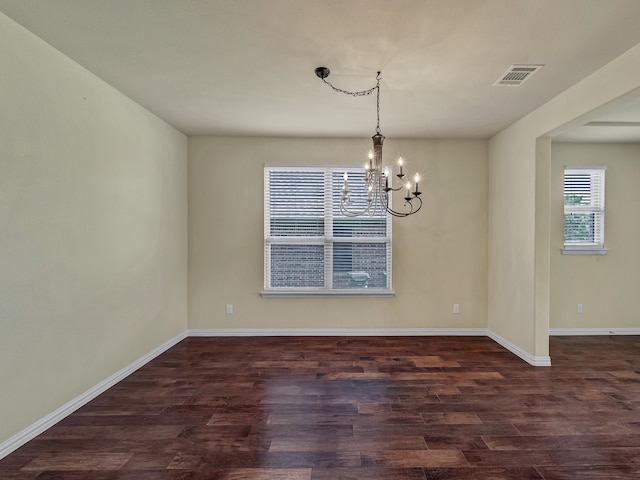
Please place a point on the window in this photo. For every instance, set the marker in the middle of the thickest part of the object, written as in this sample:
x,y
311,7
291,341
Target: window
x,y
310,247
584,210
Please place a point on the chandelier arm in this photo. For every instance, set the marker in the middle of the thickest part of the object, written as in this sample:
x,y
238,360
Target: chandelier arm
x,y
413,210
352,214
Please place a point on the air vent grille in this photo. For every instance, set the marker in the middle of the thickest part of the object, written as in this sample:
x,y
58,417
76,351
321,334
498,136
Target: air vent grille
x,y
516,75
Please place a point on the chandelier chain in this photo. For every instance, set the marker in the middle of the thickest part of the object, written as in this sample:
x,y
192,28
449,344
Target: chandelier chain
x,y
362,93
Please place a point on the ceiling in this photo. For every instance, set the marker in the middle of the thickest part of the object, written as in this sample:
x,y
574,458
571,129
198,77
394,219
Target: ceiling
x,y
620,124
246,67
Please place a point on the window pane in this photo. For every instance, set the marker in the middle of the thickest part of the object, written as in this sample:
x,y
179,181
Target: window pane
x,y
579,228
297,227
360,265
296,203
297,266
360,227
577,189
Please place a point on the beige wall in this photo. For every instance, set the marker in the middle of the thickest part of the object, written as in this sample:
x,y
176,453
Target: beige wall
x,y
439,254
511,245
518,264
606,285
93,223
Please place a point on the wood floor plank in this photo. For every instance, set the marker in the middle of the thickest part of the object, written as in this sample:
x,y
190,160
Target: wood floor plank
x,y
591,472
268,474
413,458
319,408
484,473
341,444
371,473
78,461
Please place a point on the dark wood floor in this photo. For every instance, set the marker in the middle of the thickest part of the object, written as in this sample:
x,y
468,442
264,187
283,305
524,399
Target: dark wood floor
x,y
355,408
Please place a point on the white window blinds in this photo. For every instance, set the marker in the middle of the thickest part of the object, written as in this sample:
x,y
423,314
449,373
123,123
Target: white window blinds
x,y
584,208
310,246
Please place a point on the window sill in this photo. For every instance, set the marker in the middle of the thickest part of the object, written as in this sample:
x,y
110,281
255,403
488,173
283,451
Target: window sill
x,y
584,251
347,293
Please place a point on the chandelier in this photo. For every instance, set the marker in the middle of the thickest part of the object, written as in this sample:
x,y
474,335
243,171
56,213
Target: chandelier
x,y
378,179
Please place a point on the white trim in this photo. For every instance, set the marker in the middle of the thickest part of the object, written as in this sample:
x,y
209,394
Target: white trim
x,y
585,167
536,361
583,251
346,293
32,431
337,332
594,331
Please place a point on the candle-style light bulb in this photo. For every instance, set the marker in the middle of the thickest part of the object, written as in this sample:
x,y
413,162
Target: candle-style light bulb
x,y
417,179
400,163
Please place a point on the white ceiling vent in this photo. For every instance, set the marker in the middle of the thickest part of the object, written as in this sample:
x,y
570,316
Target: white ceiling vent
x,y
516,75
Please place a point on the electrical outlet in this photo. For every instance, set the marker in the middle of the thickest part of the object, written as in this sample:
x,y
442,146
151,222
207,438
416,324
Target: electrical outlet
x,y
229,309
456,308
579,309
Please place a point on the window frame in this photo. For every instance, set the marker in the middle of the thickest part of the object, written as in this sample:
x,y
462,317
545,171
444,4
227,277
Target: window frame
x,y
327,239
597,208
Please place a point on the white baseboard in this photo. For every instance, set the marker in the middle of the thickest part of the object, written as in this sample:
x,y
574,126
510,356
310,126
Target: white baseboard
x,y
536,361
594,331
32,431
337,332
